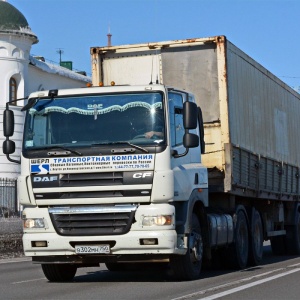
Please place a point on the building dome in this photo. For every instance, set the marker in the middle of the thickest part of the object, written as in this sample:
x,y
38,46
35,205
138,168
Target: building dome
x,y
12,21
11,18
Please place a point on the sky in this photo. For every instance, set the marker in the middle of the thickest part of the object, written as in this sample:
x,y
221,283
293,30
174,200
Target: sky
x,y
266,30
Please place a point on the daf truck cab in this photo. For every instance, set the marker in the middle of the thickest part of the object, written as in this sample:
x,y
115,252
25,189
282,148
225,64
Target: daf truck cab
x,y
109,175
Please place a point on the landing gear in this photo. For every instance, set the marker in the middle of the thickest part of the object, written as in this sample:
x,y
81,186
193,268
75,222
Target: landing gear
x,y
290,243
278,245
188,266
59,272
293,236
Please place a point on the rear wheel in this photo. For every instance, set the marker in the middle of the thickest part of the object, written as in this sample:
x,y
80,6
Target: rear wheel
x,y
59,272
188,266
256,239
238,251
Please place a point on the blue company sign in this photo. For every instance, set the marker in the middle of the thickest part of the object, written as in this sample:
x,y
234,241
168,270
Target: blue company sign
x,y
74,164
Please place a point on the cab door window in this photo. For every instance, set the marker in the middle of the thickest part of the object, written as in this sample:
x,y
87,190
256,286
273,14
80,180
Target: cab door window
x,y
176,118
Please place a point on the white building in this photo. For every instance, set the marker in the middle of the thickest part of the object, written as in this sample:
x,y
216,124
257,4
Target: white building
x,y
22,74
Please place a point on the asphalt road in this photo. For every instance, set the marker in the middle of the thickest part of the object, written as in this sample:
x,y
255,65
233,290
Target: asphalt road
x,y
276,278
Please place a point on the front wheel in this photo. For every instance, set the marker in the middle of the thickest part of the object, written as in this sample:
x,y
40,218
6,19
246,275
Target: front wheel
x,y
59,272
188,266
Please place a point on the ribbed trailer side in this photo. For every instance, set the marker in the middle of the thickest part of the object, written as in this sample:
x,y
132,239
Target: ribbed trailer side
x,y
263,112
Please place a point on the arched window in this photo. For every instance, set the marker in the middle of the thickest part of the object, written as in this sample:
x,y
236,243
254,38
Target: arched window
x,y
13,90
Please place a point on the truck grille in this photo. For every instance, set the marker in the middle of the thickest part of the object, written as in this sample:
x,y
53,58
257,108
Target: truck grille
x,y
94,220
91,179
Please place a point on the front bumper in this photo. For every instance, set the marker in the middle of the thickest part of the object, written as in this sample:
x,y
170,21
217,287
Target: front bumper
x,y
128,244
124,244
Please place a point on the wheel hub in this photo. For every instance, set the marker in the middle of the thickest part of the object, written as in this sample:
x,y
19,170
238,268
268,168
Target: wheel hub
x,y
195,247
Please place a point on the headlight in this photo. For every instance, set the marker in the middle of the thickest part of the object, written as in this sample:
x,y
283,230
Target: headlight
x,y
34,223
157,220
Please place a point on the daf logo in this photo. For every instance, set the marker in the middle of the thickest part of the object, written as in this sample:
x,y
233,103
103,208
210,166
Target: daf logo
x,y
141,175
45,178
95,106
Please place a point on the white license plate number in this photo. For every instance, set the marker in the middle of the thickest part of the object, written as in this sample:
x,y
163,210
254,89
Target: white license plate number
x,y
92,249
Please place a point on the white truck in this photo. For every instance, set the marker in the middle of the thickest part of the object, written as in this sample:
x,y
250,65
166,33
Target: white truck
x,y
181,151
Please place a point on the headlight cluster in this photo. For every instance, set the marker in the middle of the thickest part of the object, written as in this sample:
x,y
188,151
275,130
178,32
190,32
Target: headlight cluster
x,y
162,220
34,223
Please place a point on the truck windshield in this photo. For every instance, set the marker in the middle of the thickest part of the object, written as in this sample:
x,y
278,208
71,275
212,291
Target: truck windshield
x,y
88,120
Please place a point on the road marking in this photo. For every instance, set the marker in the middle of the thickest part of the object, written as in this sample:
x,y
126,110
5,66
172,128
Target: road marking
x,y
246,286
25,281
212,289
295,265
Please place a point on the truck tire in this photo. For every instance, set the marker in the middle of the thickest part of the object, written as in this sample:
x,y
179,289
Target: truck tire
x,y
256,239
188,266
293,236
239,250
59,272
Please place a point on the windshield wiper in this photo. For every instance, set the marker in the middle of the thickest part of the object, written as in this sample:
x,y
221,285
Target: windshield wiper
x,y
59,153
122,143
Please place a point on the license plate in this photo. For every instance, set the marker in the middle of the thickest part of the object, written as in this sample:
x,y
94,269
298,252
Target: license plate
x,y
92,249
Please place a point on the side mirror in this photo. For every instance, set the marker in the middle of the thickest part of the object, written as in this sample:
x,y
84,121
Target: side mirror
x,y
8,147
190,121
8,123
190,115
190,140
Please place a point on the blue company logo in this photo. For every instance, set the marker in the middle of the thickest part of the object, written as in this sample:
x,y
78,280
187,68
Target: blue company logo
x,y
40,169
